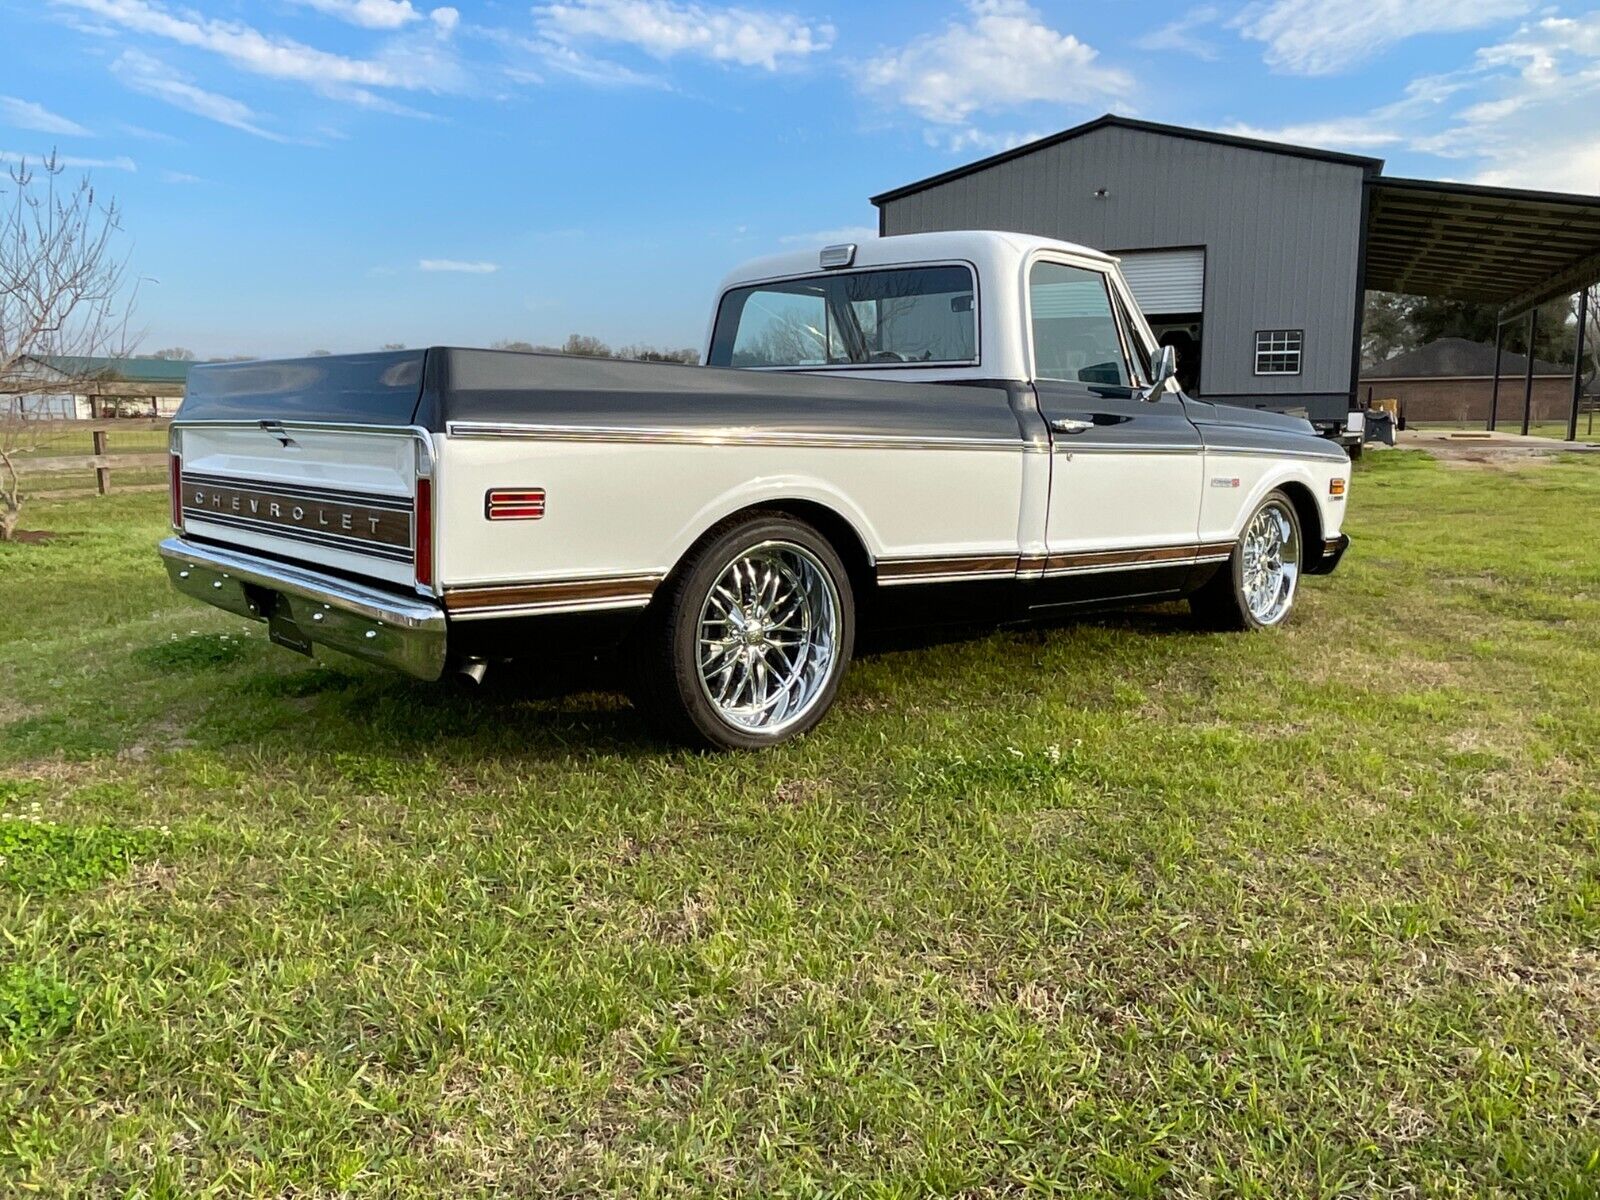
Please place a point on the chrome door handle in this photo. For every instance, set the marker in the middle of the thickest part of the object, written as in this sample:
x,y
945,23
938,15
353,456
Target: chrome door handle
x,y
1070,425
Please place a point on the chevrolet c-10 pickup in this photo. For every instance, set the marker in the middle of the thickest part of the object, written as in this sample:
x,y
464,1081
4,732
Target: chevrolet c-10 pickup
x,y
937,427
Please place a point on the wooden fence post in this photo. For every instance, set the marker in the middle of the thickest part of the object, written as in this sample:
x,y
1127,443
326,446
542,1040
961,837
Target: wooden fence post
x,y
102,470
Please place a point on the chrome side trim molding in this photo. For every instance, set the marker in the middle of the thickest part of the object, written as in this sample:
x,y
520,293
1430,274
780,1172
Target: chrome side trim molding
x,y
1071,445
1264,452
406,633
416,431
727,436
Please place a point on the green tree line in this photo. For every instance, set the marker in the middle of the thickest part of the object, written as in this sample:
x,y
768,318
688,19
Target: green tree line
x,y
1395,324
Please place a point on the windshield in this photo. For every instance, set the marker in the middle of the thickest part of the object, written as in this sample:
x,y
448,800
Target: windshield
x,y
916,315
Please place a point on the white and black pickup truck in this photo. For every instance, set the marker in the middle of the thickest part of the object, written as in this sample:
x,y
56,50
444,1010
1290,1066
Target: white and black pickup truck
x,y
932,427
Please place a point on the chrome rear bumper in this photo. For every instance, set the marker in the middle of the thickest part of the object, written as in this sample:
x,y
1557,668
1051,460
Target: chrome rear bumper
x,y
401,632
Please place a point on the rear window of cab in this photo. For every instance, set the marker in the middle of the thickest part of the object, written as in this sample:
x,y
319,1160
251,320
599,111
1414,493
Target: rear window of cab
x,y
914,316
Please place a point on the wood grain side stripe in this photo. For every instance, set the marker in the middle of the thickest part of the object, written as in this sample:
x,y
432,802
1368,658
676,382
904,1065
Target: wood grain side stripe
x,y
909,570
901,569
1088,559
562,592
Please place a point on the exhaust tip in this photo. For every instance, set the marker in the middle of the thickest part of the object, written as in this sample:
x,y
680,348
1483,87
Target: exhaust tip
x,y
472,670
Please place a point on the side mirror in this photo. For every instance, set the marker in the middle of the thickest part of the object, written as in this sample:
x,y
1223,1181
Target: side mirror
x,y
1162,368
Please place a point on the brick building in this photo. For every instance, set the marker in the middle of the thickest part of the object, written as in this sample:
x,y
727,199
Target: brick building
x,y
1452,379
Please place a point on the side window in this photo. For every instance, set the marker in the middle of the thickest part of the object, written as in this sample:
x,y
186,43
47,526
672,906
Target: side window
x,y
1074,327
786,325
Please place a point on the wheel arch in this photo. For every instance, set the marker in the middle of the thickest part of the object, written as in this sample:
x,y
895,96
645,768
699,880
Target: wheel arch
x,y
838,529
1310,514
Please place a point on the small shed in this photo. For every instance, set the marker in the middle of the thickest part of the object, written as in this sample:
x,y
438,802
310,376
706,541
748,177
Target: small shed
x,y
73,387
1452,380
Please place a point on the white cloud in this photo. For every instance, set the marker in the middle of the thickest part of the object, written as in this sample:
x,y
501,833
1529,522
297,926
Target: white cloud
x,y
533,58
445,19
454,264
1533,121
1181,36
981,141
120,163
1003,56
667,29
1520,114
180,177
369,14
25,114
155,78
271,56
148,135
1348,133
1321,37
830,237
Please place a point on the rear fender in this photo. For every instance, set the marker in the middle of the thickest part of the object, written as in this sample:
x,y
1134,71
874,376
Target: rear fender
x,y
775,491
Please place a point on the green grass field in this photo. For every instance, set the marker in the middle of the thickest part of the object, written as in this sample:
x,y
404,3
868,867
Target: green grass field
x,y
1112,909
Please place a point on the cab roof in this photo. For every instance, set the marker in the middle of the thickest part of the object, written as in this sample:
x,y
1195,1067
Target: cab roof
x,y
995,253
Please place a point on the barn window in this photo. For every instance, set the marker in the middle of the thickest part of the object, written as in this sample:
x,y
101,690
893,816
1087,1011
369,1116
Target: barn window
x,y
1278,351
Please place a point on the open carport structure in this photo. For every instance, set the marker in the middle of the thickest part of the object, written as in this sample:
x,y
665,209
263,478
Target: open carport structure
x,y
1253,257
1511,248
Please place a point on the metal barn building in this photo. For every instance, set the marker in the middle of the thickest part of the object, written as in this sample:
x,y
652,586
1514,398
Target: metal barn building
x,y
1253,257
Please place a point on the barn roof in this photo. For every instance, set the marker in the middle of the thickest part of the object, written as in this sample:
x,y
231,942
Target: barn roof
x,y
119,370
1112,121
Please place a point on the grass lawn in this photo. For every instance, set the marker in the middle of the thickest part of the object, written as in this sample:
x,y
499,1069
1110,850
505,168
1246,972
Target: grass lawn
x,y
1111,909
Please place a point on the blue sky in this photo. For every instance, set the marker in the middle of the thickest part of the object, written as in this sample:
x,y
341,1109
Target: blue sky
x,y
341,173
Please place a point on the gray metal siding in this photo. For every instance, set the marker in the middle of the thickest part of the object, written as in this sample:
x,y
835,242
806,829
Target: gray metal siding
x,y
1282,236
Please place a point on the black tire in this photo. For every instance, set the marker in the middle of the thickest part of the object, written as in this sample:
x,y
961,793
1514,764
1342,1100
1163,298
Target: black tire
x,y
667,684
1222,604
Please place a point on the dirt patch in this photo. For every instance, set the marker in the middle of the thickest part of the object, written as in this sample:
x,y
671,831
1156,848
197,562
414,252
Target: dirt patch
x,y
34,537
1510,460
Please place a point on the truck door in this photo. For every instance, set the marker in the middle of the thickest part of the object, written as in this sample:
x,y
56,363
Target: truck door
x,y
1126,473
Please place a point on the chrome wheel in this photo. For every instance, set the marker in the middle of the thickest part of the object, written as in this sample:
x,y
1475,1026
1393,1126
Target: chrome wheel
x,y
768,637
1271,566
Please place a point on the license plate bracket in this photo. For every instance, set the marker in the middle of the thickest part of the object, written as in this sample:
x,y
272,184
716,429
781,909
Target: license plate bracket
x,y
281,627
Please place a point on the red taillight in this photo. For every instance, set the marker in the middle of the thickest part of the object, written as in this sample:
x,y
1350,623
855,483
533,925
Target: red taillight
x,y
175,472
422,537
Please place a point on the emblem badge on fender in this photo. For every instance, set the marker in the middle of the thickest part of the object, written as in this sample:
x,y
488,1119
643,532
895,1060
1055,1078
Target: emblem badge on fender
x,y
1223,481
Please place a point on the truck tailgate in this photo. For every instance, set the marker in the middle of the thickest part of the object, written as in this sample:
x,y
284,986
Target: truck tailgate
x,y
312,461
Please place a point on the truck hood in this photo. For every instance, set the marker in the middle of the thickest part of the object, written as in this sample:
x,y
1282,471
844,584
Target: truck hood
x,y
1203,414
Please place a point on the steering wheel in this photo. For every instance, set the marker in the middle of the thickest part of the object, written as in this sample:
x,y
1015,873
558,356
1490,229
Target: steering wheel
x,y
887,356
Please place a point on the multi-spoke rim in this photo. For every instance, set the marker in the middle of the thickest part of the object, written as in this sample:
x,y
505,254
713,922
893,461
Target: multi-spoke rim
x,y
768,637
1271,563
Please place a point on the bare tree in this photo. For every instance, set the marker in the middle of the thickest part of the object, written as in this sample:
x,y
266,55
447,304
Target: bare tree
x,y
585,345
64,300
644,353
175,354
